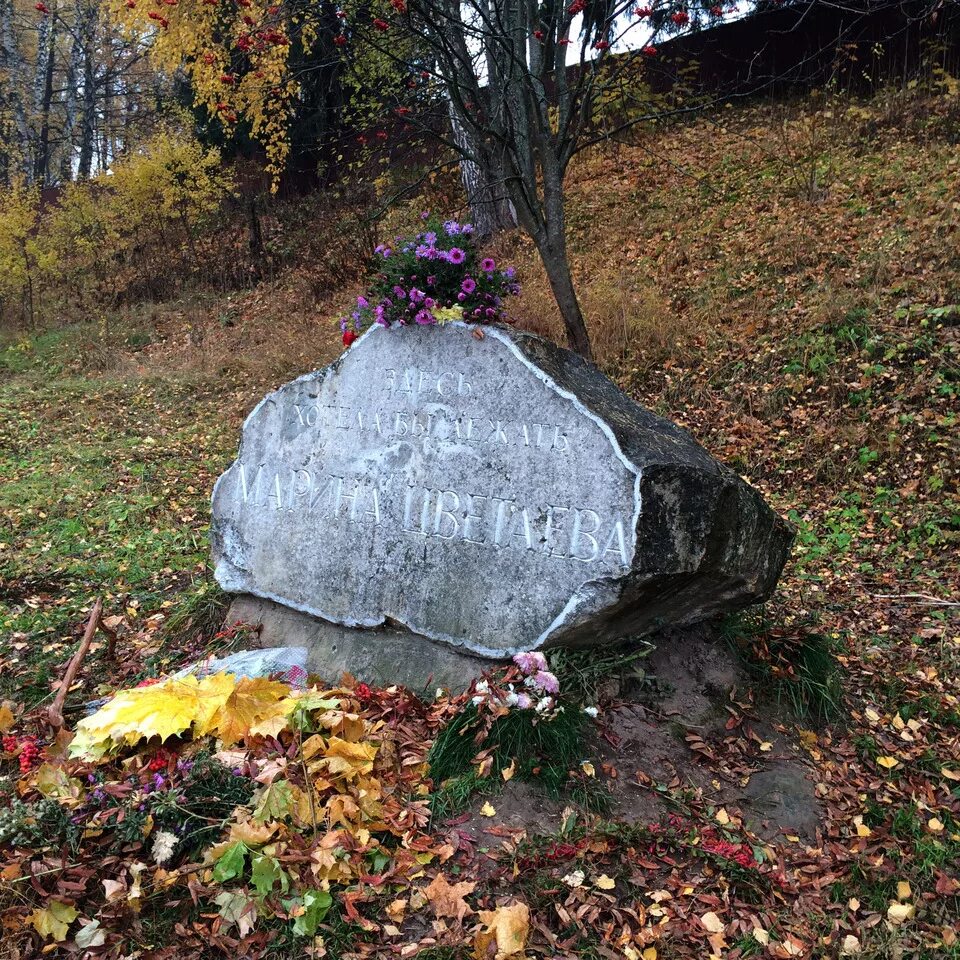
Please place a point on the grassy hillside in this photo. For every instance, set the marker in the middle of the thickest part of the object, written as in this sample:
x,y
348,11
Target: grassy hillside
x,y
782,280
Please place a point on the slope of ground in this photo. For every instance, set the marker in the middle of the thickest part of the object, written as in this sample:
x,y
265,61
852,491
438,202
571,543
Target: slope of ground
x,y
784,282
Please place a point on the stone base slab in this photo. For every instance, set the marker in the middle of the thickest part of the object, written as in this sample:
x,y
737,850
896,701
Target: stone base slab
x,y
381,656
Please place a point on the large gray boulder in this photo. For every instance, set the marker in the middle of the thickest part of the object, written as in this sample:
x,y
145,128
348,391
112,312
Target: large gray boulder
x,y
487,490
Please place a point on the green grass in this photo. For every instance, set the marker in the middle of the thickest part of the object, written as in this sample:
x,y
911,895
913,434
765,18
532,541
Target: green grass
x,y
797,668
585,674
105,492
548,753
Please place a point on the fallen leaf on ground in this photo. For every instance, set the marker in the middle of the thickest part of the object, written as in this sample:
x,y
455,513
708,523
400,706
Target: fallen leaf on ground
x,y
447,899
52,922
507,929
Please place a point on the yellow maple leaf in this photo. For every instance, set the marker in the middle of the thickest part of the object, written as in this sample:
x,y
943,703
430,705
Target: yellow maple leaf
x,y
52,922
253,703
163,710
507,929
888,763
349,760
6,717
212,693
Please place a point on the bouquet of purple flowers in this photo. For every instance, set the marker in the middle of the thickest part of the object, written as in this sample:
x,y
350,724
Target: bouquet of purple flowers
x,y
433,277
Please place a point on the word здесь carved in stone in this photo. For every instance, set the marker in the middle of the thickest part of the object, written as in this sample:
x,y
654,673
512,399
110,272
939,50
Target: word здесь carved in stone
x,y
560,532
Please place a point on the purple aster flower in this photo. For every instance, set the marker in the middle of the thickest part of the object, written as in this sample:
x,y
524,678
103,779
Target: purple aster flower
x,y
425,215
398,291
488,264
431,281
424,317
509,272
468,285
461,297
490,312
363,302
451,228
429,303
456,255
467,228
416,296
429,237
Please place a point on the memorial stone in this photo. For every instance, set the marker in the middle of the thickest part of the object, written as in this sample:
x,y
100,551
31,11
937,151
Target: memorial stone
x,y
485,490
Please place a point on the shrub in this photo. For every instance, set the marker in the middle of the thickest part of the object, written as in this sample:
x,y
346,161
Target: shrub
x,y
23,257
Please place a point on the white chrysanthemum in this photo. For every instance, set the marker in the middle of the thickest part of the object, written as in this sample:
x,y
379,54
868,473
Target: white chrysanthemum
x,y
164,843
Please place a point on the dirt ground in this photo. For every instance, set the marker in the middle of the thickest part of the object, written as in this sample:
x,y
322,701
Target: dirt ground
x,y
696,725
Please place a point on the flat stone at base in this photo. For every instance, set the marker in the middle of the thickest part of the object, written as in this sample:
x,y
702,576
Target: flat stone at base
x,y
380,656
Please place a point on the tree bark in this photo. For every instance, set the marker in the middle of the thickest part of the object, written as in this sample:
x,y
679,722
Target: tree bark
x,y
13,96
87,119
490,210
41,167
74,68
561,283
552,245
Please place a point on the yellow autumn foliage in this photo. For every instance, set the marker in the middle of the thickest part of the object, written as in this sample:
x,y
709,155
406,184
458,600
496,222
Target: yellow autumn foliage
x,y
218,704
116,232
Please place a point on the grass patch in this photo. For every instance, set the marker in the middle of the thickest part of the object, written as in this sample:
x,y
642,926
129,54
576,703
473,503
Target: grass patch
x,y
797,667
585,674
198,613
547,752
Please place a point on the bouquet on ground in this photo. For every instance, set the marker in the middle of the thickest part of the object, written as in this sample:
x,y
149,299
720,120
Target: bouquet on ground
x,y
432,277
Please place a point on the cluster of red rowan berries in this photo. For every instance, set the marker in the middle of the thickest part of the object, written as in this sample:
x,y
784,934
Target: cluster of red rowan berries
x,y
29,751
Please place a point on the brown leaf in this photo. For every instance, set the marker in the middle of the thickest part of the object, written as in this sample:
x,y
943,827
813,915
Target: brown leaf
x,y
447,900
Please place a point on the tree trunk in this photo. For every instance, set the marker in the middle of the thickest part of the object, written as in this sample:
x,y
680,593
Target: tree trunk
x,y
13,96
87,119
74,67
552,247
42,164
490,210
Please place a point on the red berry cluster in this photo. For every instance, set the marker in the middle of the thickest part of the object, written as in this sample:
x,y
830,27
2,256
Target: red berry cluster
x,y
29,754
159,762
29,751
